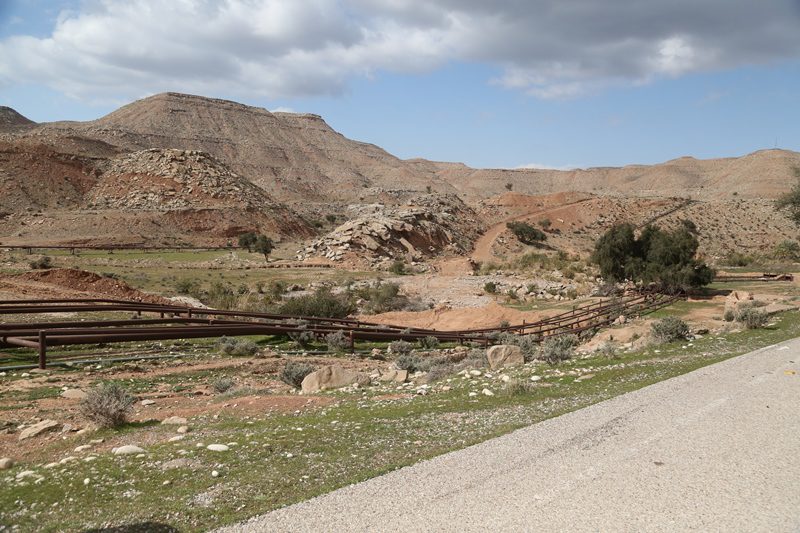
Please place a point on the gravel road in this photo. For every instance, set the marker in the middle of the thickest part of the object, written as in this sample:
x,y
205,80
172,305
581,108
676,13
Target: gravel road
x,y
714,450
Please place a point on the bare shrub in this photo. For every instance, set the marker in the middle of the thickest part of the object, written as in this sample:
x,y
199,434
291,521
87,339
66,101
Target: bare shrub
x,y
516,387
337,342
400,347
752,318
557,349
428,343
669,329
108,405
608,349
294,373
231,346
223,384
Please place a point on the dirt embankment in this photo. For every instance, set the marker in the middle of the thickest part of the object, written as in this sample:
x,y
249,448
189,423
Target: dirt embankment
x,y
71,283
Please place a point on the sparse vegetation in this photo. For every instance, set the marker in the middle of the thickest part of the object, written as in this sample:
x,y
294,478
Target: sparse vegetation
x,y
108,405
790,201
490,287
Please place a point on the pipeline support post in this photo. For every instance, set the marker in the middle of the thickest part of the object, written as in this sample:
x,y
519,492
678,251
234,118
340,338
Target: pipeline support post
x,y
42,350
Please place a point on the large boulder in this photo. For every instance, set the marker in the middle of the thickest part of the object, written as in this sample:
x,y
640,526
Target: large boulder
x,y
504,355
331,377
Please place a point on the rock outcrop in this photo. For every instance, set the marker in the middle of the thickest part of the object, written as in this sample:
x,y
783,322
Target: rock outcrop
x,y
428,226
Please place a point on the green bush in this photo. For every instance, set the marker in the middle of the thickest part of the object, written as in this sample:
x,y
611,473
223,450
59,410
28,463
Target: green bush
x,y
525,233
320,304
669,329
107,405
383,297
43,263
399,268
490,287
557,349
222,296
729,315
187,286
787,250
294,373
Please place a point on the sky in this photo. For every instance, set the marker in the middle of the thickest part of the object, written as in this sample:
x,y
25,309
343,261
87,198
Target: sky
x,y
493,84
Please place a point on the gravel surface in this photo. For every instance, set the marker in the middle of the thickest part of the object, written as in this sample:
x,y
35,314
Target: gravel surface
x,y
713,450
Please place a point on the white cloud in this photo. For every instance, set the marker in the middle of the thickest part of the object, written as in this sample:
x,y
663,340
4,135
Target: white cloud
x,y
290,48
283,109
538,166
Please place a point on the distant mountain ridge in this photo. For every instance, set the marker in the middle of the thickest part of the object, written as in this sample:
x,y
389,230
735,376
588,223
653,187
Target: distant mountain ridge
x,y
300,158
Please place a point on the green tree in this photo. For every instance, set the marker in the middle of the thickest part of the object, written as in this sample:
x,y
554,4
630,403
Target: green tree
x,y
790,201
247,240
526,233
264,245
667,258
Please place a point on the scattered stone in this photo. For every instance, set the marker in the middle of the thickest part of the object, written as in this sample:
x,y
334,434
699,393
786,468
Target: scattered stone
x,y
128,449
475,373
73,394
36,429
82,448
24,474
504,355
393,374
86,481
176,438
6,463
487,392
214,473
183,429
174,420
217,447
471,394
147,402
536,378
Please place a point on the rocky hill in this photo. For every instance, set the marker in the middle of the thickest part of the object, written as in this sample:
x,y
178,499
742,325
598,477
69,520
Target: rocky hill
x,y
762,174
427,226
10,120
181,168
296,157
